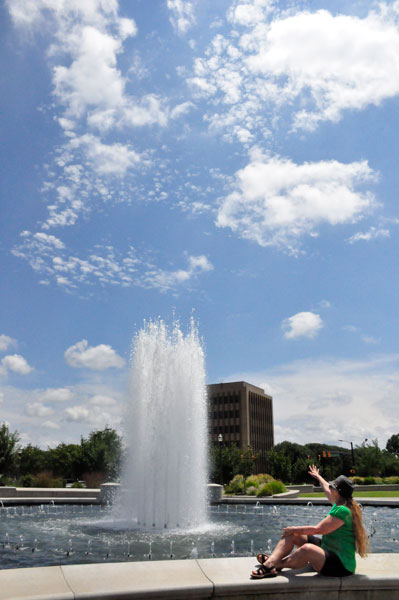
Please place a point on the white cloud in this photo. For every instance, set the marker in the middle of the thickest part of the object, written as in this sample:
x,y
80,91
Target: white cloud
x,y
275,201
51,425
372,234
77,413
182,14
49,257
6,342
38,409
98,358
103,158
92,100
166,280
331,399
15,363
314,64
100,400
57,395
303,324
369,339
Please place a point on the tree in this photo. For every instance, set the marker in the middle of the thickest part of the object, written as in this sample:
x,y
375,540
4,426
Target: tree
x,y
369,459
8,451
32,460
66,461
102,453
393,444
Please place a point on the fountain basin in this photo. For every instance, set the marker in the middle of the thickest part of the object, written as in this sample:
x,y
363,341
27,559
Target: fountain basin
x,y
68,534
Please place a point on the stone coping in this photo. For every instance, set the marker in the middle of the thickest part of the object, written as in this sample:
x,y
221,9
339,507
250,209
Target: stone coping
x,y
377,578
252,500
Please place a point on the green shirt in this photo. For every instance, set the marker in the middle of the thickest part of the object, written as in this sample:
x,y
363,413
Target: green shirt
x,y
342,540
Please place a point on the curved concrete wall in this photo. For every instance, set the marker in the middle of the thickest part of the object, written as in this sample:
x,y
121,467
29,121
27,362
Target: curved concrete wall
x,y
222,578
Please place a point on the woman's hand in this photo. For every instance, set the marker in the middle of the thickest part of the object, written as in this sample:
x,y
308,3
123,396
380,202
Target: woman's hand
x,y
314,471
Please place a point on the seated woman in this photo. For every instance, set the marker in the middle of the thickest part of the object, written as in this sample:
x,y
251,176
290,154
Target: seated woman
x,y
342,534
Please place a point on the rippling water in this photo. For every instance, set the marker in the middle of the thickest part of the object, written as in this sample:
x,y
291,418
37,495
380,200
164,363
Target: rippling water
x,y
53,535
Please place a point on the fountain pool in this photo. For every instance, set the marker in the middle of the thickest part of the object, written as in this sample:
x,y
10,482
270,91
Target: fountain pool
x,y
63,534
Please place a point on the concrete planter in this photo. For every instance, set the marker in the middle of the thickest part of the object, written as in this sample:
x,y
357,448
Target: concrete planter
x,y
215,493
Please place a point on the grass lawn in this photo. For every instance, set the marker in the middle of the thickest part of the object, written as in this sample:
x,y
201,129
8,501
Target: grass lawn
x,y
384,494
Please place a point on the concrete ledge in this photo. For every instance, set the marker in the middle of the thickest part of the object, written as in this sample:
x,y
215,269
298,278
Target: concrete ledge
x,y
11,496
377,578
289,494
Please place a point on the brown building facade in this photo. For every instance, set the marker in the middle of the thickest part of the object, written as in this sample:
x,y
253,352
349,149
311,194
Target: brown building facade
x,y
243,414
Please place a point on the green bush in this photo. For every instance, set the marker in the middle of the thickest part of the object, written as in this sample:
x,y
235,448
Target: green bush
x,y
369,481
273,487
77,484
27,480
6,481
236,485
251,490
252,482
357,480
264,478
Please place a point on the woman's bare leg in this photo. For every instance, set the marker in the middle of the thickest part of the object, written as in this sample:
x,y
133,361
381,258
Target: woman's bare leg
x,y
283,549
307,553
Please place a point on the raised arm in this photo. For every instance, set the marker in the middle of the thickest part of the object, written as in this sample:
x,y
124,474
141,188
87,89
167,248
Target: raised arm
x,y
314,472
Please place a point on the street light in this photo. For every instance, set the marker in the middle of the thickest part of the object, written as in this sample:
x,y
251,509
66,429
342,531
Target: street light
x,y
220,440
352,451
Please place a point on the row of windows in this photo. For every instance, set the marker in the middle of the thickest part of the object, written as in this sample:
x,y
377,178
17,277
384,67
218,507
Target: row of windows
x,y
225,414
225,429
228,399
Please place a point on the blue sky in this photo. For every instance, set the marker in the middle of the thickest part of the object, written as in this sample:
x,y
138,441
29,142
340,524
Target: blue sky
x,y
231,159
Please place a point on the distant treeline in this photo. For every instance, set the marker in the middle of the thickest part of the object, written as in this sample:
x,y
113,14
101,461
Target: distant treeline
x,y
289,462
95,460
98,459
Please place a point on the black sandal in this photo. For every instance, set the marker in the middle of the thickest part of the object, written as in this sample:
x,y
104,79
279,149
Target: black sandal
x,y
262,558
262,571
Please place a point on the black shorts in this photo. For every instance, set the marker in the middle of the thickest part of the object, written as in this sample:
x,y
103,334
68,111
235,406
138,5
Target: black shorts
x,y
333,566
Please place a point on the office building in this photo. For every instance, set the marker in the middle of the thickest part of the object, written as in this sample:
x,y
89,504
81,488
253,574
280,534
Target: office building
x,y
243,414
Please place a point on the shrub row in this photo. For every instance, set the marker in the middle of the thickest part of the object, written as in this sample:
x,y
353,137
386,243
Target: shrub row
x,y
375,480
255,485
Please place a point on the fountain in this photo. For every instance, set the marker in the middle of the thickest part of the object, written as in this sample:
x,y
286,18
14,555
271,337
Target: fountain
x,y
161,511
165,473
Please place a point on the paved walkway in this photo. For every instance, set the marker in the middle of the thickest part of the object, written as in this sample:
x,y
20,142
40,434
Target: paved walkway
x,y
377,578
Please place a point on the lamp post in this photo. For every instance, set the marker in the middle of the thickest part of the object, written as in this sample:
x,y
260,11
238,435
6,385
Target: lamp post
x,y
352,451
220,441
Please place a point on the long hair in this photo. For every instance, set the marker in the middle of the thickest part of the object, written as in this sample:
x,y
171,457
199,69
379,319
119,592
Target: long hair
x,y
361,537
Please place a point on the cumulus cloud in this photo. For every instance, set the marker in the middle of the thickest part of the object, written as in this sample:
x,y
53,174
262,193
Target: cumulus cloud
x,y
166,280
77,413
38,409
275,201
98,358
51,425
15,363
307,393
303,324
92,102
6,342
100,400
314,64
182,14
57,395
